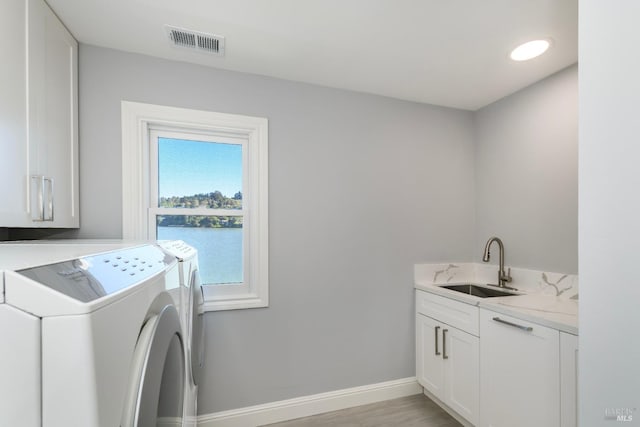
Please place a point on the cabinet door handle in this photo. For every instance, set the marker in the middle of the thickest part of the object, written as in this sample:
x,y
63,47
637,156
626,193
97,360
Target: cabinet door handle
x,y
515,325
444,343
436,336
37,214
50,203
43,184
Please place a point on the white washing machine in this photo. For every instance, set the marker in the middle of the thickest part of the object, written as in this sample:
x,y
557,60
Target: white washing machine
x,y
90,338
192,315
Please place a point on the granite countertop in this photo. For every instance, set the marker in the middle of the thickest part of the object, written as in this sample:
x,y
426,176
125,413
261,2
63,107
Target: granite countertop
x,y
554,312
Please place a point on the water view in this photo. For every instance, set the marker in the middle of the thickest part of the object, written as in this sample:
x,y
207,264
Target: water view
x,y
219,251
203,176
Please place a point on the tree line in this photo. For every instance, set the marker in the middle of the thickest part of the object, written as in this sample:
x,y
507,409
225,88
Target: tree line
x,y
200,221
215,200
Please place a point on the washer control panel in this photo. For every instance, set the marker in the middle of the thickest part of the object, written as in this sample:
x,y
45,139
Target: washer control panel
x,y
89,278
178,249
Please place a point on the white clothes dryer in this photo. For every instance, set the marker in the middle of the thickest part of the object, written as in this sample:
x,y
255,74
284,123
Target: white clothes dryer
x,y
90,338
193,321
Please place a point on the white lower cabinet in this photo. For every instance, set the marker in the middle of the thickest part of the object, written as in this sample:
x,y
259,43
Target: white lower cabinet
x,y
520,372
495,370
448,360
568,380
462,373
430,364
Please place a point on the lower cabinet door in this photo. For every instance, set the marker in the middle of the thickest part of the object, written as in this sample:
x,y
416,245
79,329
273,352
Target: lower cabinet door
x,y
519,373
429,361
448,365
568,380
462,373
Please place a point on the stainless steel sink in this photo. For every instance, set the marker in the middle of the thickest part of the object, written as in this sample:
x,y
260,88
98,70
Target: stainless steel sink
x,y
478,291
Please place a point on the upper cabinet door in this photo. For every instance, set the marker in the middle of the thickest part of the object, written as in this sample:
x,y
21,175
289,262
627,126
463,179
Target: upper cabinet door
x,y
62,121
52,119
13,117
38,118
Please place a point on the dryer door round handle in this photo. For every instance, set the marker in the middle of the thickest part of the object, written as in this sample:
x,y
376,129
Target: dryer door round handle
x,y
159,352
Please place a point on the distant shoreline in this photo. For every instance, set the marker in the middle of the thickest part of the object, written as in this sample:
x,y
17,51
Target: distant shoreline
x,y
218,227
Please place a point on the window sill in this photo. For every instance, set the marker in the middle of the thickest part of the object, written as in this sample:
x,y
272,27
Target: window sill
x,y
213,302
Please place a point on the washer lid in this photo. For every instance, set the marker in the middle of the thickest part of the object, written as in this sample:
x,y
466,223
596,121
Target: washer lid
x,y
89,278
83,284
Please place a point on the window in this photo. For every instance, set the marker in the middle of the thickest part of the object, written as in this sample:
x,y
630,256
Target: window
x,y
196,196
201,177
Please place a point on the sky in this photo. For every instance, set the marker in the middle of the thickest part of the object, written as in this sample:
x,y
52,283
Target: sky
x,y
187,167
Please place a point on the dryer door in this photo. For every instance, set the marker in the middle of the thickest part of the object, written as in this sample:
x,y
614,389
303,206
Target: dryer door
x,y
197,326
156,394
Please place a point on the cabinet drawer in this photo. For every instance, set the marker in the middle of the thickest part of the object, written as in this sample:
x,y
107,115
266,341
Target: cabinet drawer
x,y
519,372
454,313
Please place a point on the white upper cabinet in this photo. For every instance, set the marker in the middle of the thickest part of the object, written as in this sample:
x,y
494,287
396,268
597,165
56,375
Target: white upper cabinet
x,y
40,110
52,119
13,115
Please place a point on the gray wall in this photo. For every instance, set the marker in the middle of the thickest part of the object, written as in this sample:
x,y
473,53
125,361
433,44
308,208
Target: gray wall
x,y
609,211
527,175
361,188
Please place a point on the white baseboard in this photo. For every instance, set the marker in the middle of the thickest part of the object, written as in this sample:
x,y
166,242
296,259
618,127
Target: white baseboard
x,y
305,406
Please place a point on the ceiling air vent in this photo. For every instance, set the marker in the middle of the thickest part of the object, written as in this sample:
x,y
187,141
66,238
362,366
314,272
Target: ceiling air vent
x,y
203,42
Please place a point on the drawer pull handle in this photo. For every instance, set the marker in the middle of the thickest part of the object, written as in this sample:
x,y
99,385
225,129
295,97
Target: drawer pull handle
x,y
515,325
436,336
444,343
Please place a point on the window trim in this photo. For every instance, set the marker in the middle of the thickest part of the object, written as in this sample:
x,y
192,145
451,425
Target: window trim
x,y
137,120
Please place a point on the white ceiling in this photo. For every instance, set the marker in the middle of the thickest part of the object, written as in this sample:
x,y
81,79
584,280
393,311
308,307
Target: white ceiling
x,y
445,52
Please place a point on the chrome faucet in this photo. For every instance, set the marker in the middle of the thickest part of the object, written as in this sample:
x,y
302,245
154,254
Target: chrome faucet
x,y
502,276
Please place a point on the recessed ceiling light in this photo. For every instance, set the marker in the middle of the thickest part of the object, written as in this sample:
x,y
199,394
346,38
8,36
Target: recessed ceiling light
x,y
530,50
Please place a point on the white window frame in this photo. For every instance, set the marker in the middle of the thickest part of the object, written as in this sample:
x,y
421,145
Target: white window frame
x,y
138,120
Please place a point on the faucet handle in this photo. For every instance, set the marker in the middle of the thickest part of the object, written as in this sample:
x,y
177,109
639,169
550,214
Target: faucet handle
x,y
505,277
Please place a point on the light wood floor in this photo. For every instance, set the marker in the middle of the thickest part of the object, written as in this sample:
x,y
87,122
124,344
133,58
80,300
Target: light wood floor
x,y
412,411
